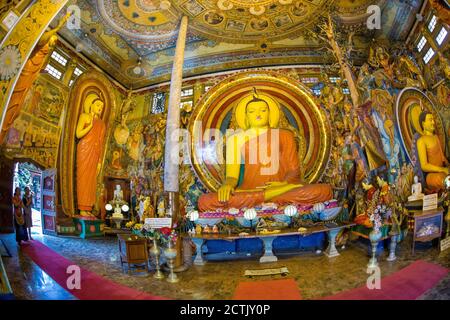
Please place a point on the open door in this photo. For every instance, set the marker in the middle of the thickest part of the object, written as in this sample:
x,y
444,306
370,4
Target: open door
x,y
48,202
6,193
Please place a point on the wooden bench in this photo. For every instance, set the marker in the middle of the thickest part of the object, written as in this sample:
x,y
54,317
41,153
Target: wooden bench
x,y
269,256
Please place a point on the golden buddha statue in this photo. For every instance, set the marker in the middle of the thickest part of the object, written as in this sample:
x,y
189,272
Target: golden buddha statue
x,y
262,162
431,155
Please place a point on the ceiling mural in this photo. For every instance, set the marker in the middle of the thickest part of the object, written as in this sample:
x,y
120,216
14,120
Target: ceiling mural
x,y
252,21
133,40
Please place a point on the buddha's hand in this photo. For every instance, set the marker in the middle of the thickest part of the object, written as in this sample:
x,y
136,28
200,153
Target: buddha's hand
x,y
224,192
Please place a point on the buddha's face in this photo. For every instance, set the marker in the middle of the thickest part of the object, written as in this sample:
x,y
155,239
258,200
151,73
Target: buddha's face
x,y
97,107
257,114
428,124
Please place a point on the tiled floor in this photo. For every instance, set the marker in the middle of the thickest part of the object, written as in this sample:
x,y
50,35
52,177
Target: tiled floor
x,y
316,275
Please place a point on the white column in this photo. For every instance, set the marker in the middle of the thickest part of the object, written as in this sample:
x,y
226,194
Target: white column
x,y
172,148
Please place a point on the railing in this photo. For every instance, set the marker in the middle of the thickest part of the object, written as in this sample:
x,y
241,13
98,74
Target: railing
x,y
5,287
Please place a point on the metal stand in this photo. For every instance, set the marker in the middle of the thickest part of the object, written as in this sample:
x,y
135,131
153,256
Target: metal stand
x,y
392,247
331,251
268,253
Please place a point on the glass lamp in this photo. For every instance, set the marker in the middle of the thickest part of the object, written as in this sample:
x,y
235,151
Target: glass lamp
x,y
250,214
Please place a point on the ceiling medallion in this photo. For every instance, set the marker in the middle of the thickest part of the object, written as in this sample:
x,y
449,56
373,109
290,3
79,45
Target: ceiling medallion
x,y
255,7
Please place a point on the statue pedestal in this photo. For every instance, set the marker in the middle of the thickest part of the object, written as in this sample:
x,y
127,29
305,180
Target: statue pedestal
x,y
88,227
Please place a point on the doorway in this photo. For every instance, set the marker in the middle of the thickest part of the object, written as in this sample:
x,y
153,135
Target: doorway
x,y
27,174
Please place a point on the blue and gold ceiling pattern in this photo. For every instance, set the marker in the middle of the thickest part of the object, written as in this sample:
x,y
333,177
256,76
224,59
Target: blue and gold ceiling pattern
x,y
222,34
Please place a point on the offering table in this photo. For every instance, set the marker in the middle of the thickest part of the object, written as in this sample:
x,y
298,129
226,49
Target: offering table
x,y
267,238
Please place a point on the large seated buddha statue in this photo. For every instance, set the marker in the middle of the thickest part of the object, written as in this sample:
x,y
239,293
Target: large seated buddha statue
x,y
431,156
262,162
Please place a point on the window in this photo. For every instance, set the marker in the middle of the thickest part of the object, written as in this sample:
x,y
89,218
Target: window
x,y
70,83
346,90
428,55
317,92
187,92
159,101
441,36
334,79
59,58
432,23
77,72
421,43
186,105
53,71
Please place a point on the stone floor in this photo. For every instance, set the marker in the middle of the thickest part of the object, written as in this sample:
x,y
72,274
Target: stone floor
x,y
316,275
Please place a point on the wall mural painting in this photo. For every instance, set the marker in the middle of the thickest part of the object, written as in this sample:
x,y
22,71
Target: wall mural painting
x,y
33,138
46,100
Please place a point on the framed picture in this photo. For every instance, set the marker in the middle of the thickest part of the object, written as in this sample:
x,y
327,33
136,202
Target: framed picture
x,y
9,19
193,7
282,20
235,25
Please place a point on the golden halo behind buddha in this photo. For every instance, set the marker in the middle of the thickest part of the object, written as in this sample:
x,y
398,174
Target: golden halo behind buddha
x,y
274,109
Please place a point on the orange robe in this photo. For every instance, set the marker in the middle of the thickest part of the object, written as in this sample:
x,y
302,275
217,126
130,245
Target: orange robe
x,y
435,156
288,169
29,74
89,150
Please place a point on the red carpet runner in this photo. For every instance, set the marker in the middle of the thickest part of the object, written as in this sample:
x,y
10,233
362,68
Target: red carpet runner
x,y
407,284
93,286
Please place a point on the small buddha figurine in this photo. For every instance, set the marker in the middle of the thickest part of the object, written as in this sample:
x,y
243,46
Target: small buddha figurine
x,y
431,155
161,209
118,193
275,177
206,229
416,190
198,229
149,211
215,229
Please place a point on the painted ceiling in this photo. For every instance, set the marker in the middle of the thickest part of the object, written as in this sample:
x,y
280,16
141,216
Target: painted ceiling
x,y
133,40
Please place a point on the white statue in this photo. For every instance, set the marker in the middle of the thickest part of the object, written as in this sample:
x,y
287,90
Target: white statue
x,y
118,193
416,190
141,209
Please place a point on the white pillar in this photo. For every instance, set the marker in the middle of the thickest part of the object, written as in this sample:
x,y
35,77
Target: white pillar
x,y
172,148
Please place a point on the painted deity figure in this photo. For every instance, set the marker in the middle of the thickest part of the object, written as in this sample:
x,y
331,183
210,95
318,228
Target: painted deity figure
x,y
91,132
262,162
29,74
431,155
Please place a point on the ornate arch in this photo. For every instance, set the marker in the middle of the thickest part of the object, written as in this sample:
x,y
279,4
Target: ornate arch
x,y
21,41
300,113
91,82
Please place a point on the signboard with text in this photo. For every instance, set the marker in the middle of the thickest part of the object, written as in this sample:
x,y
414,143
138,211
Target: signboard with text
x,y
445,244
158,223
430,202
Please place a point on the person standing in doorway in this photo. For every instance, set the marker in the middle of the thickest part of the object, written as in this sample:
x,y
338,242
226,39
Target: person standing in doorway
x,y
19,221
27,211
